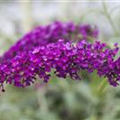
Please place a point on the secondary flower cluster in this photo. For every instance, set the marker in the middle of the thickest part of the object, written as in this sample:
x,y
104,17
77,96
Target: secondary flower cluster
x,y
34,56
51,33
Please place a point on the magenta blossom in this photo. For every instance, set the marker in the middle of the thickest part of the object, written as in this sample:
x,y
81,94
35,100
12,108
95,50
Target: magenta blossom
x,y
58,47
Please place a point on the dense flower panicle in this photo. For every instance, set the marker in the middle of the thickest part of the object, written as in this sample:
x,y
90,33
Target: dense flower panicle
x,y
68,59
43,35
42,50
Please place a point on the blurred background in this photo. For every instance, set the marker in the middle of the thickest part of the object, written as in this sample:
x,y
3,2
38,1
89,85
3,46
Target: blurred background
x,y
89,99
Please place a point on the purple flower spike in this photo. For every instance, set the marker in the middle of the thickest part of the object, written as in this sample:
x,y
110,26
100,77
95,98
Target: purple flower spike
x,y
44,49
43,35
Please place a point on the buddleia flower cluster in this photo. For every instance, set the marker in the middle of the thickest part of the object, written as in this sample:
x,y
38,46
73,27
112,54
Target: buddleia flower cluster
x,y
60,47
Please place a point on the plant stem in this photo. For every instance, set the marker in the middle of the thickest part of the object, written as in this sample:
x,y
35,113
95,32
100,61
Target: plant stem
x,y
106,13
43,106
100,87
